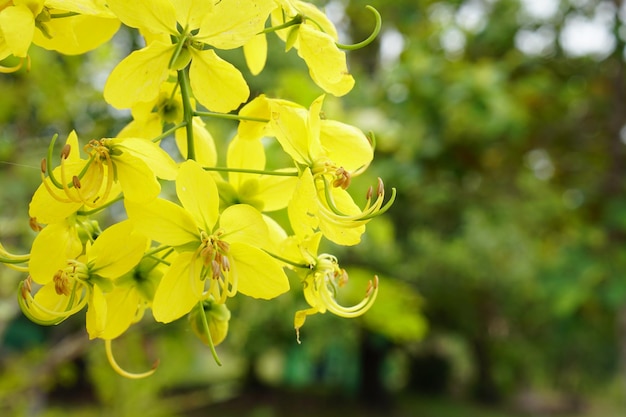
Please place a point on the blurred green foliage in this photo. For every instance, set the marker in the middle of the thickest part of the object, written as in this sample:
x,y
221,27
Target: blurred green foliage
x,y
502,256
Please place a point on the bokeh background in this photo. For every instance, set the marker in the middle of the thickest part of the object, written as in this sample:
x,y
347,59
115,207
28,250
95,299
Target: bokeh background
x,y
502,124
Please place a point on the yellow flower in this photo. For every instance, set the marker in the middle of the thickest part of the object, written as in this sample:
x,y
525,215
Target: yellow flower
x,y
131,296
315,40
194,25
263,192
150,118
328,154
134,163
218,255
67,26
82,280
321,282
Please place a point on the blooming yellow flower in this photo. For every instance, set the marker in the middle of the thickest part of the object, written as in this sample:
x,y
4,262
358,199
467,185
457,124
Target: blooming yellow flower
x,y
134,163
328,153
67,26
70,283
131,296
150,118
218,255
322,280
194,25
315,40
263,192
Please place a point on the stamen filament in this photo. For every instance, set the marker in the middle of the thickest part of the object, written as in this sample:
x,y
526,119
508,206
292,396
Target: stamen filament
x,y
370,38
122,372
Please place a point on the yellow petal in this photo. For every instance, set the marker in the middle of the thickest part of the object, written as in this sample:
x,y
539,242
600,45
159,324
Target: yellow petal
x,y
85,7
257,274
47,209
76,34
198,194
96,313
345,145
137,180
233,23
191,12
243,223
255,52
163,221
156,158
151,15
327,64
180,289
259,107
302,208
51,249
275,191
206,153
122,304
139,76
289,124
117,250
249,154
18,27
149,128
216,84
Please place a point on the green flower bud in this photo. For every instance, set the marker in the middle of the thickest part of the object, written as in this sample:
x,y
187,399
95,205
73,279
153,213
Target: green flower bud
x,y
217,317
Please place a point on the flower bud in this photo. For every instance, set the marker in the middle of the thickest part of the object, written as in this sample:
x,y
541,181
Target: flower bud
x,y
217,317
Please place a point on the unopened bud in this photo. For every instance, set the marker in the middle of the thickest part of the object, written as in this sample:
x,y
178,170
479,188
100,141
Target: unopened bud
x,y
217,316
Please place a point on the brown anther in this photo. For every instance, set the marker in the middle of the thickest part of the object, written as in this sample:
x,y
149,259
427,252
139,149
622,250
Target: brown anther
x,y
342,178
26,288
61,283
76,182
44,165
36,227
207,255
343,278
225,263
370,192
381,187
223,246
65,152
215,268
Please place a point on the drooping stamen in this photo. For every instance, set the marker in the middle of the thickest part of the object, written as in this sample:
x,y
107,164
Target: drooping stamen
x,y
370,38
117,368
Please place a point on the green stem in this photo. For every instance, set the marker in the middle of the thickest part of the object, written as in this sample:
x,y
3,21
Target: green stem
x,y
295,21
168,132
253,171
229,116
185,92
205,326
287,261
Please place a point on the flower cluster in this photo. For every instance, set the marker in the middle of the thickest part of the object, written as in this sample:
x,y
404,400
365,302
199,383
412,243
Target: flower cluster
x,y
186,255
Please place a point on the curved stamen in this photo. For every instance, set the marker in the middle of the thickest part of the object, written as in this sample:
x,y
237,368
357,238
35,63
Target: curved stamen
x,y
353,311
370,38
122,372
